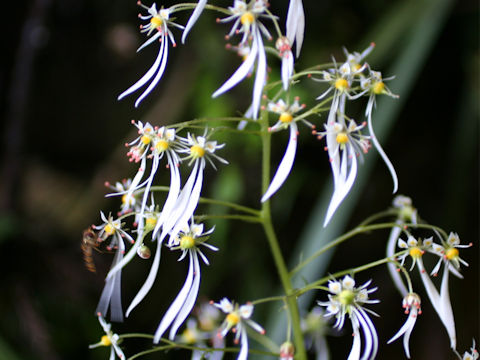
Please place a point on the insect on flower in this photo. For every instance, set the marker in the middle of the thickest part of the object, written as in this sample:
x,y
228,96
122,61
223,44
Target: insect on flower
x,y
90,241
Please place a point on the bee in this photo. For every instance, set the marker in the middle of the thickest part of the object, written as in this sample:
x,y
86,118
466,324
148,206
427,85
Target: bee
x,y
90,241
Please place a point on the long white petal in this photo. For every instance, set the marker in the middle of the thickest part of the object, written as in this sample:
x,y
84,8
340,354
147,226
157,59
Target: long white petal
x,y
382,154
285,165
300,27
407,330
446,312
241,72
242,355
149,282
356,346
371,338
193,18
172,311
148,75
342,188
260,75
157,77
429,286
391,245
191,297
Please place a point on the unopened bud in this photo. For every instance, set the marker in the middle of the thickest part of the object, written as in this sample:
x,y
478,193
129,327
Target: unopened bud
x,y
144,252
287,351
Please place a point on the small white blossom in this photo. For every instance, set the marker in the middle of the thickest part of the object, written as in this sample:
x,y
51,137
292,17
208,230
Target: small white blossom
x,y
189,241
472,355
411,304
238,317
109,339
285,52
345,299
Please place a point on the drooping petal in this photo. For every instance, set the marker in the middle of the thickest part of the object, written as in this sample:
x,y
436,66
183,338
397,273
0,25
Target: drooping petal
x,y
296,24
242,355
357,343
446,311
406,330
382,154
148,75
191,297
193,18
241,72
391,245
370,334
287,69
149,282
176,305
285,165
260,76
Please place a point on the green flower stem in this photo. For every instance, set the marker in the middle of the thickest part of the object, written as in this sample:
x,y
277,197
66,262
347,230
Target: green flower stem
x,y
375,217
340,239
246,218
273,241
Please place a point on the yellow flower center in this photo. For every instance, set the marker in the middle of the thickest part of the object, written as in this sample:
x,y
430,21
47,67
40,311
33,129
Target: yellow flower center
x,y
341,84
161,145
415,252
187,242
232,319
156,22
356,67
126,199
145,139
346,297
189,336
378,88
109,229
197,151
105,341
150,223
285,118
452,253
342,138
247,18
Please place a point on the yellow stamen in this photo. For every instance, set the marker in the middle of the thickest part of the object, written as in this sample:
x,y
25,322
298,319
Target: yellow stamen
x,y
126,198
197,151
247,18
341,84
150,223
378,88
187,242
161,145
346,297
105,341
342,138
451,254
109,229
233,319
285,118
156,21
145,139
415,252
356,67
189,336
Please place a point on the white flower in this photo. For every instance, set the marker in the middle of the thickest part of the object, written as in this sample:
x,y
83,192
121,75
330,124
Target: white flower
x,y
315,326
111,295
472,355
347,299
158,22
411,304
109,339
295,24
374,85
449,254
416,249
286,119
189,241
344,145
248,16
238,317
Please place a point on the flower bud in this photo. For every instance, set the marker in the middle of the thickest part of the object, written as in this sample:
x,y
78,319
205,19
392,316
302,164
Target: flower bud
x,y
144,252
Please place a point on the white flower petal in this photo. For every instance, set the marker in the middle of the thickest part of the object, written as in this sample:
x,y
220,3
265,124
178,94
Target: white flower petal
x,y
193,18
260,75
242,355
395,275
446,312
356,346
285,165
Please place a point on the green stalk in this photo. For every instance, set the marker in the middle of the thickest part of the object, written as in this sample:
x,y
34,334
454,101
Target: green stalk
x,y
273,242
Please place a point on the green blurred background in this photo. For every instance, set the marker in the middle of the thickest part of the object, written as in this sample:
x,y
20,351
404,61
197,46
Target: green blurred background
x,y
65,62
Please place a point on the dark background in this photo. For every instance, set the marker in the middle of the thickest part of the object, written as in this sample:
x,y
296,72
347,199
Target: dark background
x,y
64,63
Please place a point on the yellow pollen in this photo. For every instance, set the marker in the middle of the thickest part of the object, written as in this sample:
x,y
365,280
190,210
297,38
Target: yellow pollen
x,y
189,336
415,252
109,229
342,138
124,199
341,84
156,21
150,223
247,18
145,139
378,88
346,297
451,254
187,242
232,319
161,146
356,67
285,118
197,151
105,341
